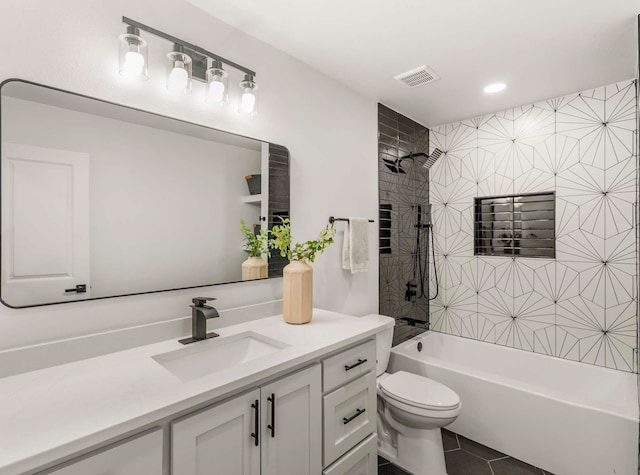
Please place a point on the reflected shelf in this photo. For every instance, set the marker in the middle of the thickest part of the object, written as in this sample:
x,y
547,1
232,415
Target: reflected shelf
x,y
252,199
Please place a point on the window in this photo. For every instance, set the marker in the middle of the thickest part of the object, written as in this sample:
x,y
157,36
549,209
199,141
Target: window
x,y
515,225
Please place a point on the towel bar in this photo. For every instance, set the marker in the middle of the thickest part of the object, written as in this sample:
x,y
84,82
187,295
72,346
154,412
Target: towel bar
x,y
333,220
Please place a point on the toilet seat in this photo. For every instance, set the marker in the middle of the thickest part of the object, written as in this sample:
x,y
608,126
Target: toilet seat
x,y
418,392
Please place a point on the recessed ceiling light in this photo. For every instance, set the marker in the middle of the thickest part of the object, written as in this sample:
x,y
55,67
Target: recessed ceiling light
x,y
493,88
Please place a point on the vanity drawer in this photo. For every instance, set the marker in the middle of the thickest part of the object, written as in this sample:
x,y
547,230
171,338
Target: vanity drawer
x,y
348,365
361,460
349,416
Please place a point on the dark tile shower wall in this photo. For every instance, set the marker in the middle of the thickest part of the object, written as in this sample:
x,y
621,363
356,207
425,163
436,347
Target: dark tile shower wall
x,y
400,195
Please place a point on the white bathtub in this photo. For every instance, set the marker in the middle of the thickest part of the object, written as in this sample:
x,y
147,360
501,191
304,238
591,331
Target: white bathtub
x,y
565,417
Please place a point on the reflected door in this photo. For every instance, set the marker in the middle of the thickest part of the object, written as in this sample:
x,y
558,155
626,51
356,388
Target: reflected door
x,y
45,226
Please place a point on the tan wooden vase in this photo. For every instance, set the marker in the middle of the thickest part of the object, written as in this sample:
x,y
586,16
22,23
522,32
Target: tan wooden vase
x,y
297,292
254,268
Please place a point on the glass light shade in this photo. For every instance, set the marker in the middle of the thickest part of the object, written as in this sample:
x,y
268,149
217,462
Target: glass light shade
x,y
178,73
133,57
217,85
248,96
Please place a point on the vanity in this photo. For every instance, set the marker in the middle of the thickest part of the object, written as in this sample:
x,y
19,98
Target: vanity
x,y
94,194
264,397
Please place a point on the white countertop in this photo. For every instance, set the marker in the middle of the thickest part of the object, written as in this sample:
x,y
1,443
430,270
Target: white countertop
x,y
52,413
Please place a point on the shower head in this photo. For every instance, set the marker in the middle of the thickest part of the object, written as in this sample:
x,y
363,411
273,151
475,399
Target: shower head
x,y
396,165
431,159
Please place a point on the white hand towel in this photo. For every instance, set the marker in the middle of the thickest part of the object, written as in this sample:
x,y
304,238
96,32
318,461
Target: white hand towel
x,y
355,249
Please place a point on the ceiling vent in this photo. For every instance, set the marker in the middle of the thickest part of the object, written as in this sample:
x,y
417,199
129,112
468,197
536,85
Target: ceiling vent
x,y
418,77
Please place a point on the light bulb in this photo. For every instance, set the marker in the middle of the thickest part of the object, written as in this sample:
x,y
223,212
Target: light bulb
x,y
247,102
216,92
133,64
249,96
178,78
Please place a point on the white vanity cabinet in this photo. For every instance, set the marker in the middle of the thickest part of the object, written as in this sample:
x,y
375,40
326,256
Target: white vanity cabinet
x,y
292,424
139,455
221,439
350,411
310,408
271,430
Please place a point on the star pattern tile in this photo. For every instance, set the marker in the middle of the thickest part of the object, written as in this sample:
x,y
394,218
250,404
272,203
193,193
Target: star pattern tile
x,y
582,304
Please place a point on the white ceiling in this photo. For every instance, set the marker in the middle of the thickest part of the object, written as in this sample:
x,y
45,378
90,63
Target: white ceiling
x,y
539,48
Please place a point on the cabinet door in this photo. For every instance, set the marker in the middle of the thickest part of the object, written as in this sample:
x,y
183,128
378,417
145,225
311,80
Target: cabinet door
x,y
141,455
219,441
291,424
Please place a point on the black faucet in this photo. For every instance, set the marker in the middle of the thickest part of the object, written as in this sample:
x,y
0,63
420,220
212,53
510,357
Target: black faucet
x,y
200,313
413,322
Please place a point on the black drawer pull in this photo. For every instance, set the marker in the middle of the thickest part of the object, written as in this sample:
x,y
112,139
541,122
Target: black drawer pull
x,y
348,367
272,426
346,420
255,434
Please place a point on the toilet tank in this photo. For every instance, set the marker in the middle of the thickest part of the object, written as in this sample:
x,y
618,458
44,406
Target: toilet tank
x,y
384,339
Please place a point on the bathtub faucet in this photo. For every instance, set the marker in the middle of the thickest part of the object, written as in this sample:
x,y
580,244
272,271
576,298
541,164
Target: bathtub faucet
x,y
412,322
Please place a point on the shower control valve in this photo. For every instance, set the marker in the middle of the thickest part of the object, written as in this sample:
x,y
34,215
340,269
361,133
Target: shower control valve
x,y
411,292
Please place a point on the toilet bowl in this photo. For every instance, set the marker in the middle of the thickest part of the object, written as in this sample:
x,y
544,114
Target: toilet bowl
x,y
411,411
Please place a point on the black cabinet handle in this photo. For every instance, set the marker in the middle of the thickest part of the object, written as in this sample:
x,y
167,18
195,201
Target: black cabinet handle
x,y
272,426
348,367
255,434
80,288
346,420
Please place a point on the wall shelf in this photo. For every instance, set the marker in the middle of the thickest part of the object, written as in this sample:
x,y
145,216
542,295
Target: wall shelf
x,y
252,199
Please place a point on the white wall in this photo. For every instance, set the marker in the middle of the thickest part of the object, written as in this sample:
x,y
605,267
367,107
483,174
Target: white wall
x,y
330,132
165,207
582,304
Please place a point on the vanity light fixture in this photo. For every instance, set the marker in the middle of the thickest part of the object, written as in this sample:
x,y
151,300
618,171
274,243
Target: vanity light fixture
x,y
217,84
249,96
178,71
186,62
133,55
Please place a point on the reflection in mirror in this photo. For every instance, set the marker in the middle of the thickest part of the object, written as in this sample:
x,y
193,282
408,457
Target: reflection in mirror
x,y
100,200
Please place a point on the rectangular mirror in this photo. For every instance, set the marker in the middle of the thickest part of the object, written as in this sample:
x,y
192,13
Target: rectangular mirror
x,y
101,200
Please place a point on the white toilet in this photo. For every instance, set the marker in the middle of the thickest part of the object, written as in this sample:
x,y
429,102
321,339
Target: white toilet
x,y
411,411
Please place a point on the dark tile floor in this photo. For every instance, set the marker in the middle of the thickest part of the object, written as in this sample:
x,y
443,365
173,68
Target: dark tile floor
x,y
466,457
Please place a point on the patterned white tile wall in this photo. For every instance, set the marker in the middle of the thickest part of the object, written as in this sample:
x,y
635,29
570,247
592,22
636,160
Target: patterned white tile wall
x,y
582,304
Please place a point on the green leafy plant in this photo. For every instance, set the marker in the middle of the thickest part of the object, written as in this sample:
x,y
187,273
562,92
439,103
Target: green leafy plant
x,y
308,250
256,244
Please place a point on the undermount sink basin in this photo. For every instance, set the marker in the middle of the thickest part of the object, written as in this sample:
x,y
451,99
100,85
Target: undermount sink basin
x,y
209,356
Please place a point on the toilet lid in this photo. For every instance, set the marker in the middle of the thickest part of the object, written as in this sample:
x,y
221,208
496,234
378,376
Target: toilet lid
x,y
419,391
